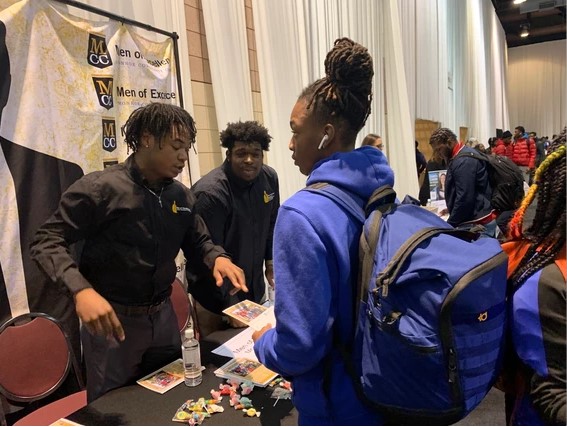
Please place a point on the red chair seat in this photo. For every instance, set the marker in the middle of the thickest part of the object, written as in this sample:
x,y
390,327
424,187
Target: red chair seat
x,y
61,408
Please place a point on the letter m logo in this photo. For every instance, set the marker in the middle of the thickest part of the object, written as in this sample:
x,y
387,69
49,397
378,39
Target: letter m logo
x,y
103,88
97,54
108,134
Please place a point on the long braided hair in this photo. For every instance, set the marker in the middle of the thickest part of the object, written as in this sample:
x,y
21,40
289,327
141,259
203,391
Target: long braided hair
x,y
158,119
345,93
546,234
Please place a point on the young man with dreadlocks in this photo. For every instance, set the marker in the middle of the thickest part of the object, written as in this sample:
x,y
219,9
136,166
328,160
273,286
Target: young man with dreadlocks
x,y
316,242
467,189
537,272
133,219
239,203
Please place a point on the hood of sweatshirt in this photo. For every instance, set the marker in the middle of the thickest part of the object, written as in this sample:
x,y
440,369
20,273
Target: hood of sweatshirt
x,y
360,171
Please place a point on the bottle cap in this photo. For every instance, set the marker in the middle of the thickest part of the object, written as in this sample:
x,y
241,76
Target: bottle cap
x,y
189,333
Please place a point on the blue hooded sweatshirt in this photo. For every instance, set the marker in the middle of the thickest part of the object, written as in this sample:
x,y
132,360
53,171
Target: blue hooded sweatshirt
x,y
316,268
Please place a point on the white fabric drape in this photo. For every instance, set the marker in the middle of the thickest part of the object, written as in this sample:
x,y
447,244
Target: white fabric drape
x,y
459,66
293,38
225,25
283,68
401,152
537,87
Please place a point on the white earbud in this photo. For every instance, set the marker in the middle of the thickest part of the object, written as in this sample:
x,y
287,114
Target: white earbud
x,y
323,142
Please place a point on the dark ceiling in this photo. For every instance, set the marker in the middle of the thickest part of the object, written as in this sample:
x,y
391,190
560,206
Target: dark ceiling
x,y
546,20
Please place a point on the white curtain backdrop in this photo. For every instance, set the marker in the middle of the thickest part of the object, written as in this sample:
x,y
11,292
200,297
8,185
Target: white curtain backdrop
x,y
399,123
537,87
293,38
225,25
167,15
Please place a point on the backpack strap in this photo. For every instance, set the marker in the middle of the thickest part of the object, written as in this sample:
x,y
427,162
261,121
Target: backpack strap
x,y
381,201
340,197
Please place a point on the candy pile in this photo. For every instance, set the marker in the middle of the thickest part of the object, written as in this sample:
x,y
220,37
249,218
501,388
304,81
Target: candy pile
x,y
194,412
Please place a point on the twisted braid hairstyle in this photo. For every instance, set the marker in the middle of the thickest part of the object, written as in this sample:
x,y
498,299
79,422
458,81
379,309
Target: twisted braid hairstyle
x,y
439,141
345,93
157,119
442,136
546,234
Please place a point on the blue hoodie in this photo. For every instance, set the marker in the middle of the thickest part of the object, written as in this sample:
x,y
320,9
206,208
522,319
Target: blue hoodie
x,y
316,268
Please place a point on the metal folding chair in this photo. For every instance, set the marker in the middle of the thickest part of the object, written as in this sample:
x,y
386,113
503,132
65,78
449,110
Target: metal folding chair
x,y
36,357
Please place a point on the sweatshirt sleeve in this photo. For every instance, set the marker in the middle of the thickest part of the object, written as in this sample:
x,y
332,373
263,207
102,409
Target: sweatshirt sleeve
x,y
303,294
549,392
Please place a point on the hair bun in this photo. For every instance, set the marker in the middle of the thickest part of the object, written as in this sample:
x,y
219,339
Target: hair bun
x,y
348,64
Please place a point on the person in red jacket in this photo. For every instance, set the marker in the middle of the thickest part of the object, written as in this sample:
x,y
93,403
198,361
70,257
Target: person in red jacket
x,y
504,146
524,152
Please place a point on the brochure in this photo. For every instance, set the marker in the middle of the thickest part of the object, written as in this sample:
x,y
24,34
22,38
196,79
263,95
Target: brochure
x,y
241,369
241,345
164,379
245,311
267,317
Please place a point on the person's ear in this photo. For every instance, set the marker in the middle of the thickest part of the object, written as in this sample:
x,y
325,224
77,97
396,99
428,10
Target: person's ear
x,y
328,136
147,139
228,155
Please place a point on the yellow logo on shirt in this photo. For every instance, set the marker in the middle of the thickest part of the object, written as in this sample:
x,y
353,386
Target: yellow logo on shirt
x,y
176,209
268,197
483,316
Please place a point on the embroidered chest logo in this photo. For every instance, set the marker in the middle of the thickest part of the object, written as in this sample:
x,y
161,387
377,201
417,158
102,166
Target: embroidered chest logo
x,y
176,209
268,197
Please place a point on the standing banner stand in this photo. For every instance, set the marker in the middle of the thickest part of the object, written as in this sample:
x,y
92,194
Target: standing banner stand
x,y
67,86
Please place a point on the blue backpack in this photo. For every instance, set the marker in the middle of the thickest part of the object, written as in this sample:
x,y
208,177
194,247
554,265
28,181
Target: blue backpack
x,y
431,312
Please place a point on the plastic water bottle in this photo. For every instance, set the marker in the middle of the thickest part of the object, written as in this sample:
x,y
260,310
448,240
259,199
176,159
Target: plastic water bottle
x,y
271,295
191,358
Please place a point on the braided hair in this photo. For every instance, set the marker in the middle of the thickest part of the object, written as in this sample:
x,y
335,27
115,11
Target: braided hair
x,y
157,119
439,140
345,93
442,136
546,234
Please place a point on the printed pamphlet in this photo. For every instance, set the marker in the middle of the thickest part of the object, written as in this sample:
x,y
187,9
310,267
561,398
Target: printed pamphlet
x,y
241,369
245,311
164,379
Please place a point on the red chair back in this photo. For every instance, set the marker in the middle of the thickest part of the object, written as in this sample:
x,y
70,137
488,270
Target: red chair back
x,y
35,357
180,301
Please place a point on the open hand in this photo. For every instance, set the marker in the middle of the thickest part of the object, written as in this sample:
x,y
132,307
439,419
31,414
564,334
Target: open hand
x,y
225,268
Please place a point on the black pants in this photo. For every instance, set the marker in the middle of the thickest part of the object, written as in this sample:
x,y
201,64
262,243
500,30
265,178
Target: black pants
x,y
152,341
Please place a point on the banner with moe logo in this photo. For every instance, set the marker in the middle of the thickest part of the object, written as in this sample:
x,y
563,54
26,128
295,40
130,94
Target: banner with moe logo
x,y
67,86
